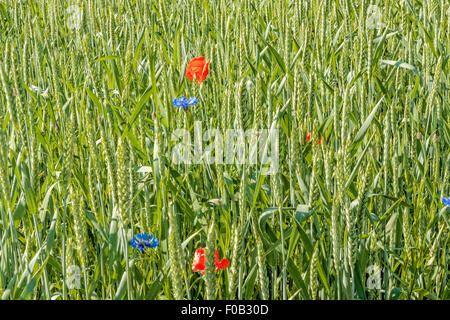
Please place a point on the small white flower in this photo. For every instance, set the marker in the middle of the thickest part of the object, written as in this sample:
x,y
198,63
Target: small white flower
x,y
45,93
35,89
40,91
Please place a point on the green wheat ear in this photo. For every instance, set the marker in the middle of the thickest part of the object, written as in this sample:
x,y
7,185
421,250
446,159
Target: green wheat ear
x,y
236,249
314,281
122,183
210,266
174,255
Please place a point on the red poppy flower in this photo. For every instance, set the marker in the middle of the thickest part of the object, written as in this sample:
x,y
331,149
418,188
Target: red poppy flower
x,y
222,264
308,137
198,67
198,263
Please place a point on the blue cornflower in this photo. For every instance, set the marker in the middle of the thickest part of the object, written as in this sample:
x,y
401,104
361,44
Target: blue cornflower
x,y
185,103
446,201
141,241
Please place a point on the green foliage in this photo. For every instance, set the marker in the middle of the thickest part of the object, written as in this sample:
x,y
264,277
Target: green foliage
x,y
86,125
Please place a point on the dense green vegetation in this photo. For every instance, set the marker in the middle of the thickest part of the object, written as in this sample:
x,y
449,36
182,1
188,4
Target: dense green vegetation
x,y
86,142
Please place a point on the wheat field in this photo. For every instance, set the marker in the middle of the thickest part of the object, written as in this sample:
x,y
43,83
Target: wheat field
x,y
93,205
